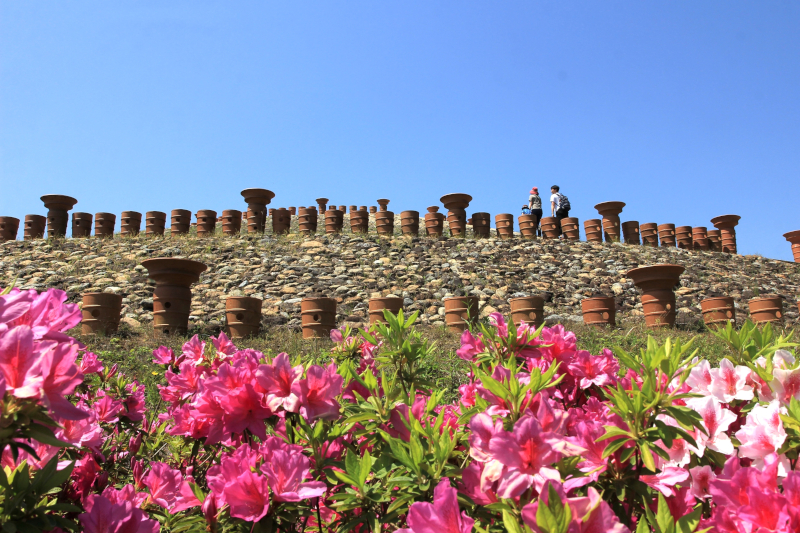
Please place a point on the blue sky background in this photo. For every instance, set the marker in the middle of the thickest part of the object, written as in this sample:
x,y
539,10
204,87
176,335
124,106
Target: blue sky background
x,y
684,110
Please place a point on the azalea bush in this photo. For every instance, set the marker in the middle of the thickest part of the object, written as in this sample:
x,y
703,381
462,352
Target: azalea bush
x,y
543,438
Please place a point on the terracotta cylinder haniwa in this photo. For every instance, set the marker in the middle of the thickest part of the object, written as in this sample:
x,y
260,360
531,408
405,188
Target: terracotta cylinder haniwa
x,y
657,283
343,208
683,237
594,230
373,209
318,317
155,221
384,204
8,228
794,239
714,240
359,221
504,223
765,309
528,309
281,221
231,222
130,223
322,205
34,227
460,312
377,305
104,225
409,223
456,205
630,232
611,225
333,223
243,315
666,232
384,222
100,313
293,211
434,224
206,223
180,221
570,227
270,212
58,207
172,299
649,233
257,201
353,208
600,311
527,226
550,227
307,220
81,224
718,311
481,224
700,238
726,224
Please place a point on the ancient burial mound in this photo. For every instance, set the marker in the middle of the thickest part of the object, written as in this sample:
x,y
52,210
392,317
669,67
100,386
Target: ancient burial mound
x,y
423,271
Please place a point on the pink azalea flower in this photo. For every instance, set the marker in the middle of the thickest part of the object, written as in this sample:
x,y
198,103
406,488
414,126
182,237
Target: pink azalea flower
x,y
699,379
471,485
286,472
223,344
125,494
470,346
318,392
168,489
666,480
107,409
14,305
680,451
134,404
716,421
467,391
786,382
277,380
336,336
590,514
193,350
60,376
498,321
48,314
556,344
441,516
762,434
82,433
594,370
248,496
163,356
20,363
702,476
728,383
766,510
102,516
244,410
90,364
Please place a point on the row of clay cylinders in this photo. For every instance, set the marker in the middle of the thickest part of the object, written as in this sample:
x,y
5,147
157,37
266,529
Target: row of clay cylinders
x,y
434,222
462,311
456,205
719,310
318,315
103,224
384,219
794,238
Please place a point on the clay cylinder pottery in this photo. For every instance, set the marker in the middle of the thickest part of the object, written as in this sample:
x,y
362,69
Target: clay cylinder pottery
x,y
550,228
34,227
718,311
384,222
409,223
231,222
270,212
527,226
359,221
81,224
630,232
460,312
322,204
610,212
363,208
594,230
333,223
100,313
528,309
180,221
481,224
434,223
657,283
600,311
154,222
377,306
373,209
570,227
700,238
666,232
683,237
307,220
281,221
768,308
714,240
172,299
58,207
384,204
318,317
504,223
257,202
293,211
353,208
726,224
206,223
794,238
104,225
8,228
130,223
243,315
649,234
456,205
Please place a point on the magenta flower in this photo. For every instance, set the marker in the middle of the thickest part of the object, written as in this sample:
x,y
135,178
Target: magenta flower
x,y
15,304
498,321
729,382
666,480
470,346
591,370
318,392
286,472
82,433
590,514
168,489
248,496
103,516
223,345
277,380
441,516
163,356
60,377
336,336
48,314
107,409
90,364
20,364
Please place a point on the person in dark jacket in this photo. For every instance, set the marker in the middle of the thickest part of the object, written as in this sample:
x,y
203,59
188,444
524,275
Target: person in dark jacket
x,y
535,205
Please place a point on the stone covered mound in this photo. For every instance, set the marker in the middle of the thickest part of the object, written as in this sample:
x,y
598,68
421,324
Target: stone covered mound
x,y
283,270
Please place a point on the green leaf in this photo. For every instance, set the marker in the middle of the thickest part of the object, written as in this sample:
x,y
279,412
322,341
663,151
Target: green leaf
x,y
510,523
688,523
663,516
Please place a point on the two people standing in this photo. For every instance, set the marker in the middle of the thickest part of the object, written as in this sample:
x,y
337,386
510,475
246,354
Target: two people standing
x,y
559,206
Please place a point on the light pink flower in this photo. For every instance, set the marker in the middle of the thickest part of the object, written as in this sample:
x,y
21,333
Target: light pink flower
x,y
716,421
729,382
699,379
702,476
20,363
318,392
277,380
60,376
248,496
336,336
591,370
786,382
82,433
286,472
762,433
666,480
441,516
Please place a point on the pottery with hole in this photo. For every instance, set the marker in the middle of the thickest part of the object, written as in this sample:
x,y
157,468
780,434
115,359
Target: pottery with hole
x,y
666,233
481,224
593,229
318,317
460,312
794,239
700,238
527,226
630,232
392,304
599,311
550,227
384,223
768,308
307,220
281,221
206,223
322,205
714,240
504,224
9,226
231,222
155,222
130,223
611,225
100,313
180,221
434,224
657,283
718,311
58,207
34,227
726,224
649,233
456,205
409,223
104,224
333,223
359,221
683,237
257,202
243,315
81,225
528,309
570,227
172,298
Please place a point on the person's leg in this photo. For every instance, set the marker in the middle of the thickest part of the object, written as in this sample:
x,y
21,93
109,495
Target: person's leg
x,y
560,215
537,221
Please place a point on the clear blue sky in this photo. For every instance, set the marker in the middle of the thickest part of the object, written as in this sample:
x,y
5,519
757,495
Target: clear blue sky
x,y
684,110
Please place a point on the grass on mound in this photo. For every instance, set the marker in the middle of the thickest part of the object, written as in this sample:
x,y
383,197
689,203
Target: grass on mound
x,y
132,349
